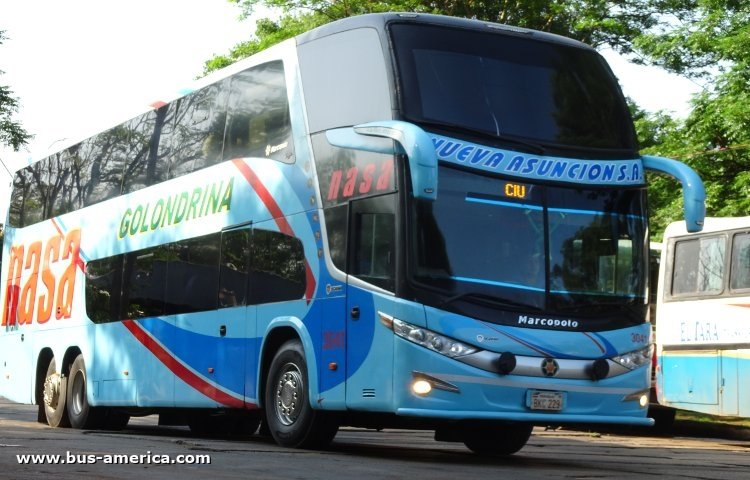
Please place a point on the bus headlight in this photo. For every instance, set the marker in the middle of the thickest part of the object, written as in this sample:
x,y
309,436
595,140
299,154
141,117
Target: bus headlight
x,y
633,360
429,339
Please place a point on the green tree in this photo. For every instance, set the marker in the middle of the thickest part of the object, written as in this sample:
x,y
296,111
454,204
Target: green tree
x,y
714,139
596,22
704,39
12,133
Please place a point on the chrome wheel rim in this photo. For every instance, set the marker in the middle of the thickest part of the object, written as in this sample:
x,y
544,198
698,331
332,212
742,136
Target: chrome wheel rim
x,y
289,394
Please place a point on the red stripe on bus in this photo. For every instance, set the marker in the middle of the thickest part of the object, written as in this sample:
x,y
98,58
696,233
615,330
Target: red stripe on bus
x,y
57,227
79,261
265,196
277,214
181,370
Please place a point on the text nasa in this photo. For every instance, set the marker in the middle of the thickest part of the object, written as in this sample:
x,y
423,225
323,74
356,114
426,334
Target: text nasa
x,y
589,171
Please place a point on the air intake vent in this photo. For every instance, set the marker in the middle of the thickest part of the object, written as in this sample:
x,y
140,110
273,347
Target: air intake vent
x,y
368,393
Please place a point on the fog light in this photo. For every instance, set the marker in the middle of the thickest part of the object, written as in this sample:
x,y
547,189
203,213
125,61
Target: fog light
x,y
643,401
421,387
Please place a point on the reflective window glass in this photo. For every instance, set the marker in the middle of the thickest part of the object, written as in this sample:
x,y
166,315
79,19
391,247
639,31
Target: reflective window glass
x,y
193,275
259,123
740,277
144,280
103,286
277,267
699,266
199,121
233,274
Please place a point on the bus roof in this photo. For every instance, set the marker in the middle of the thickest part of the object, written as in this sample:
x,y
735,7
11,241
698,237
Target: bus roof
x,y
379,20
712,224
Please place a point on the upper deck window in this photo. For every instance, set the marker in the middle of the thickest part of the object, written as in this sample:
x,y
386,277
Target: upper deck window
x,y
511,87
245,115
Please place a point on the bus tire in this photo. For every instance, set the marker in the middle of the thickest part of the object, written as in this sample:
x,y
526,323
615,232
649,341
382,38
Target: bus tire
x,y
54,392
290,418
114,420
498,441
80,413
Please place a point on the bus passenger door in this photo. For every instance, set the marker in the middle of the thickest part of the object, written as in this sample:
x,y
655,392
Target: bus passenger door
x,y
206,294
235,322
371,267
728,383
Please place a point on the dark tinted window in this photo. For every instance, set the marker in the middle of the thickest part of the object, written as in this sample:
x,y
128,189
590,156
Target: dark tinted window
x,y
193,275
510,86
374,239
143,289
259,124
277,267
337,219
103,286
233,275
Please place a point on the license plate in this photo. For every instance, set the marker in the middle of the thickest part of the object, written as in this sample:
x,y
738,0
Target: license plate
x,y
545,400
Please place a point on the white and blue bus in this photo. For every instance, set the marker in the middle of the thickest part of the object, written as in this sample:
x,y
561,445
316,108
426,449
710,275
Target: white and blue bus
x,y
393,220
703,331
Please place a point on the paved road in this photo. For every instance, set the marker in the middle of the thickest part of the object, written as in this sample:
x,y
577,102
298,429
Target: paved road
x,y
360,454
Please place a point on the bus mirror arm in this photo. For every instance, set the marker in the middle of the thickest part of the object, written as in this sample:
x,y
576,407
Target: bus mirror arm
x,y
693,192
410,140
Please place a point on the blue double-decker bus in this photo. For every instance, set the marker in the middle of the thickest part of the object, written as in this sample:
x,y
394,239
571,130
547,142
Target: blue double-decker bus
x,y
393,220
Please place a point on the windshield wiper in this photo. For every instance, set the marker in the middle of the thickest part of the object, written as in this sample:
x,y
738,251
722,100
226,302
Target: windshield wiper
x,y
484,299
509,141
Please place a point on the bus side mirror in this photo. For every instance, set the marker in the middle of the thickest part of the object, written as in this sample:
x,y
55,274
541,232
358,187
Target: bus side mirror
x,y
693,192
410,140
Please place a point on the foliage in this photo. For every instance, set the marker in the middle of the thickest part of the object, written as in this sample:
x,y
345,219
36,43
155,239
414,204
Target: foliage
x,y
596,22
715,138
11,132
703,39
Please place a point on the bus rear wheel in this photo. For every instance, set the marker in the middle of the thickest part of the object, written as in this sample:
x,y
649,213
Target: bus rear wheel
x,y
501,440
54,392
80,413
290,418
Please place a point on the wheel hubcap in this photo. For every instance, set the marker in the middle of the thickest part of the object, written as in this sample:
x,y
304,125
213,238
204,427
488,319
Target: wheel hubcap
x,y
289,393
52,390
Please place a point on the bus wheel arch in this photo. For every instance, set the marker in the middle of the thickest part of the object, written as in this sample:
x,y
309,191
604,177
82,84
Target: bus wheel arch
x,y
289,415
42,364
274,339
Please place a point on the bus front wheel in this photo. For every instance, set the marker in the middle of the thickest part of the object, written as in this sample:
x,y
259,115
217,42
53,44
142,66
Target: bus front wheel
x,y
502,440
291,419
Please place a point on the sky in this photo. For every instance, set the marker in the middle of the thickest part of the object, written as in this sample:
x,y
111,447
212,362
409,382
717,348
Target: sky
x,y
78,67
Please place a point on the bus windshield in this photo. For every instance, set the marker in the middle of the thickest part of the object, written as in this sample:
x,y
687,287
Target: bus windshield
x,y
529,246
510,87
